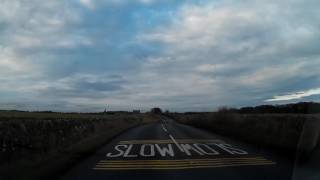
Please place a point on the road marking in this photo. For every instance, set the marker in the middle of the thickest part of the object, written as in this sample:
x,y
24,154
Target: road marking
x,y
165,149
175,163
181,167
183,160
180,164
187,160
164,128
167,141
175,142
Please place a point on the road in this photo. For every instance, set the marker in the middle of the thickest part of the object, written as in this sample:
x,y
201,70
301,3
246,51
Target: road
x,y
169,150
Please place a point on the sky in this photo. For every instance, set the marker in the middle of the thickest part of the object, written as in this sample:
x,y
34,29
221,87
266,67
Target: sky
x,y
180,55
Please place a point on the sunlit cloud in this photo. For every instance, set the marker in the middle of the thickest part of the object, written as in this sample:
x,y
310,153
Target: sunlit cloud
x,y
88,3
296,95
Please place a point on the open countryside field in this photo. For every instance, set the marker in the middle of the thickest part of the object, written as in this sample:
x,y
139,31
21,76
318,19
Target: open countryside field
x,y
50,142
288,133
103,145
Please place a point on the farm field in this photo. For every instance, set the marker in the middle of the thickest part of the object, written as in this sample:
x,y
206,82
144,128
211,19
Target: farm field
x,y
50,142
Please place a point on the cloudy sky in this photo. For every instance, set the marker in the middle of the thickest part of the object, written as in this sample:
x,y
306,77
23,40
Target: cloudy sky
x,y
181,55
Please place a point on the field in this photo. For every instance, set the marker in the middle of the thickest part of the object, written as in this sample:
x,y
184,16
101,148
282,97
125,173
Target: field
x,y
287,133
49,142
52,142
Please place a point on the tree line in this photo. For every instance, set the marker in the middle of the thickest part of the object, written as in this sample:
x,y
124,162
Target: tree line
x,y
296,108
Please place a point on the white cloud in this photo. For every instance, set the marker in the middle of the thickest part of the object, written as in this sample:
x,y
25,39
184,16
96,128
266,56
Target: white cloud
x,y
93,4
9,61
88,3
239,52
37,23
296,95
210,54
30,33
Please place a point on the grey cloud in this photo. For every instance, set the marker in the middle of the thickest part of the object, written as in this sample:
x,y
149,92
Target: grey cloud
x,y
263,49
84,86
100,86
208,54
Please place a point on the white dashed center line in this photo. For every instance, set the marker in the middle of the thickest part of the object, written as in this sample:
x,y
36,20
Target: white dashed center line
x,y
164,128
171,137
175,142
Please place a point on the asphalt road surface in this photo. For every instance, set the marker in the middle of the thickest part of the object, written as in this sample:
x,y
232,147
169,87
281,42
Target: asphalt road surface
x,y
169,150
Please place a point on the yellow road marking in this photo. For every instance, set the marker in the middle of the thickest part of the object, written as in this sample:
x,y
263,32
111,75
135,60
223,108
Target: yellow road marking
x,y
191,163
168,141
184,164
180,167
180,164
183,160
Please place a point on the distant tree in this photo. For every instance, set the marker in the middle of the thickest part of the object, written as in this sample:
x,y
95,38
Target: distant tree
x,y
225,109
156,110
297,108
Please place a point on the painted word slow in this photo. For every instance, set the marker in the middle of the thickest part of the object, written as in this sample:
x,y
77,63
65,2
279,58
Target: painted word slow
x,y
170,150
